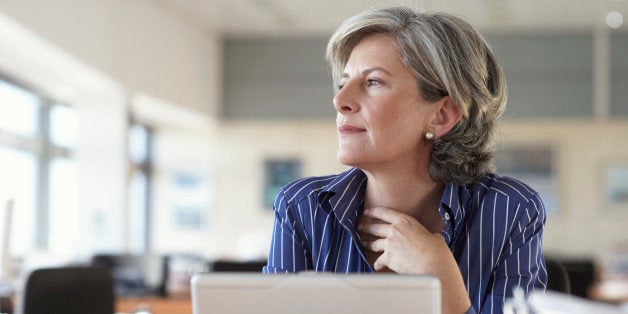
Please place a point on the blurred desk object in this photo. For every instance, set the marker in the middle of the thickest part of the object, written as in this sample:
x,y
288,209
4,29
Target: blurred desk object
x,y
613,284
156,305
610,291
560,303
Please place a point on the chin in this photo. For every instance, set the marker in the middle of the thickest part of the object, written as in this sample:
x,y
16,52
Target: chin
x,y
348,159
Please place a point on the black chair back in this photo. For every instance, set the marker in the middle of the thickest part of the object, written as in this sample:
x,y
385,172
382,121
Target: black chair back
x,y
582,275
69,290
557,277
236,266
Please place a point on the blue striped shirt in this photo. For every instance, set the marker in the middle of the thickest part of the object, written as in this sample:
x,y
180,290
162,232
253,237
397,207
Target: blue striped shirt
x,y
494,229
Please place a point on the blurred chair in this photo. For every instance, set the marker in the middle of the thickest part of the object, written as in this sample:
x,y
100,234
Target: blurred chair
x,y
69,290
582,275
237,266
135,275
557,277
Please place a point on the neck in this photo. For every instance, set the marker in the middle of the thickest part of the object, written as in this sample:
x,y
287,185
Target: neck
x,y
407,189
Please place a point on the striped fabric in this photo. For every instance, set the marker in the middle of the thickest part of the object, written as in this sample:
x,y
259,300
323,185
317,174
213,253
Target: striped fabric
x,y
493,228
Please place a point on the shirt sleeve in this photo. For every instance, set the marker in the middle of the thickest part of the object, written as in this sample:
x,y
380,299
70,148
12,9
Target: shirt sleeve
x,y
522,264
287,248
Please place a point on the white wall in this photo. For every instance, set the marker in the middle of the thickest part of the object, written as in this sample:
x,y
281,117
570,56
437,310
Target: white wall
x,y
241,150
584,224
137,43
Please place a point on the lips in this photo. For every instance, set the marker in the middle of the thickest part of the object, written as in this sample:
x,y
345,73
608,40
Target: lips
x,y
349,129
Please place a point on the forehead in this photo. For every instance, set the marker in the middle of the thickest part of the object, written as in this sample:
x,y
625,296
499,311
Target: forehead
x,y
375,51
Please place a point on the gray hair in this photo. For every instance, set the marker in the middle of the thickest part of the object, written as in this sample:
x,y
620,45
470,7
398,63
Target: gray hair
x,y
448,57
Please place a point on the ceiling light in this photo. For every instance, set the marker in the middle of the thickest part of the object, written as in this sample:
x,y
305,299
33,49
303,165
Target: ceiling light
x,y
614,19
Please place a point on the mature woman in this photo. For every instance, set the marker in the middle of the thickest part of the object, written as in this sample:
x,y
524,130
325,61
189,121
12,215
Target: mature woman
x,y
417,101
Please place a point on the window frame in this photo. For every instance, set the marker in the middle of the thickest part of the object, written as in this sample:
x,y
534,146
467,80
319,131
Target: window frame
x,y
44,151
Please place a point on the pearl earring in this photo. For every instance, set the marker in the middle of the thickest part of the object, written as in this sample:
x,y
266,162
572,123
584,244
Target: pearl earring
x,y
429,135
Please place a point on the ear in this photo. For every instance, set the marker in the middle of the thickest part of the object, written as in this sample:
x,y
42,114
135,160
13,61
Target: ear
x,y
447,114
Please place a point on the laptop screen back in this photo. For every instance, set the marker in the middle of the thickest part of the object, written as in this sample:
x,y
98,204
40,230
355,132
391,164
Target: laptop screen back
x,y
306,293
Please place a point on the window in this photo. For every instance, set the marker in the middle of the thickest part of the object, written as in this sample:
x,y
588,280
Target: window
x,y
19,110
37,137
139,187
64,209
18,181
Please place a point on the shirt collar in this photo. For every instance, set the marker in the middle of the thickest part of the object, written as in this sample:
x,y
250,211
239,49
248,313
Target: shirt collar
x,y
453,203
344,196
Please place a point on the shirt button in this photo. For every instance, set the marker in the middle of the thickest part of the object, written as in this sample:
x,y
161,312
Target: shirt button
x,y
446,216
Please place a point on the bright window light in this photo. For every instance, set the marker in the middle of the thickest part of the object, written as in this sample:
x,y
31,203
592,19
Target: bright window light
x,y
64,126
138,143
18,169
64,209
19,110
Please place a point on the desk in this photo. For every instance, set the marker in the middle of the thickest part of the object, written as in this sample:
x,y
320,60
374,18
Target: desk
x,y
179,305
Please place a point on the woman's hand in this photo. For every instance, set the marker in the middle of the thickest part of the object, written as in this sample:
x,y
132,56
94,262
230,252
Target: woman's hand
x,y
407,247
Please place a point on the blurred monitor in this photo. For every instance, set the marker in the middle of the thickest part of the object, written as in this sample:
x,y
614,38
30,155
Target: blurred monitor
x,y
135,275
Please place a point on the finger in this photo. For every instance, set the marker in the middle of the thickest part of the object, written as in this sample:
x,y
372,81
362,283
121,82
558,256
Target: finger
x,y
394,217
375,229
366,219
381,262
367,237
375,246
387,215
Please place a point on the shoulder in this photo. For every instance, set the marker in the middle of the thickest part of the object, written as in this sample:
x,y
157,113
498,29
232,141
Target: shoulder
x,y
512,188
511,193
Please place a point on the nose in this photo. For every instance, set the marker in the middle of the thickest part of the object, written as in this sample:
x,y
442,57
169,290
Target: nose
x,y
345,100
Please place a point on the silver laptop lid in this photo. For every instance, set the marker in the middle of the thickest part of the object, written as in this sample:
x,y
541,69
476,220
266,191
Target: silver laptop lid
x,y
245,293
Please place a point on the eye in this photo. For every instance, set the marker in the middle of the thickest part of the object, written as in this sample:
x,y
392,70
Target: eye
x,y
340,86
373,82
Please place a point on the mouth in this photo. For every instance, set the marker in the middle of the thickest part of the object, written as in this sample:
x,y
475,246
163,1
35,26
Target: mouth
x,y
349,129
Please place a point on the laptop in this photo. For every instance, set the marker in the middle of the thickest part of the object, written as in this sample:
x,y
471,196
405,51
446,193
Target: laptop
x,y
309,293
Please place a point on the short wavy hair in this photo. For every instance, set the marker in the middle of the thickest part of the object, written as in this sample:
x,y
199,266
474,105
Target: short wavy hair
x,y
448,57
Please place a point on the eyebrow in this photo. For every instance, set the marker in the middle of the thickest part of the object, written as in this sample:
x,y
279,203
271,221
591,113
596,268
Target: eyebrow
x,y
367,71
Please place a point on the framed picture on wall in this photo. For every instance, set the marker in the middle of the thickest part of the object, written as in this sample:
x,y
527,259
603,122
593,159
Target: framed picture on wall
x,y
615,177
534,165
190,202
277,173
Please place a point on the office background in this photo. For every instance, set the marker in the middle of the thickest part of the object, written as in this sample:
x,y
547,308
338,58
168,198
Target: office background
x,y
148,125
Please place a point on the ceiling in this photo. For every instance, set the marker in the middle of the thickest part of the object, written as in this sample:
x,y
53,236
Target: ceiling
x,y
321,17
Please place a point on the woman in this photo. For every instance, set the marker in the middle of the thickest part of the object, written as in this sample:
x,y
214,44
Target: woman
x,y
417,101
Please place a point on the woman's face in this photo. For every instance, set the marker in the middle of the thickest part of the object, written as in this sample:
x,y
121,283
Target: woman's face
x,y
381,117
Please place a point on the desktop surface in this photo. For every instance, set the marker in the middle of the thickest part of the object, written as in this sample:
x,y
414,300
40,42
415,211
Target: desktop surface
x,y
306,293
